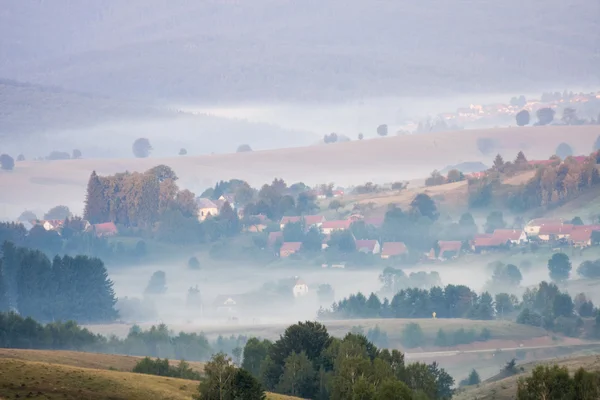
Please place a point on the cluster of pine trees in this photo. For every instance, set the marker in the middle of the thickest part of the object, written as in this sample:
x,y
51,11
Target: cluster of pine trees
x,y
307,362
452,301
66,288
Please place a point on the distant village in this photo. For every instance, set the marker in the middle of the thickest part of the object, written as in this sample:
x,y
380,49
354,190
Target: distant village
x,y
555,101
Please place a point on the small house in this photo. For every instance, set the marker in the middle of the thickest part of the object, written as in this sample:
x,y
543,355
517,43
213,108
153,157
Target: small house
x,y
555,232
533,227
289,248
206,208
106,229
300,288
274,237
393,249
226,304
514,236
368,246
331,226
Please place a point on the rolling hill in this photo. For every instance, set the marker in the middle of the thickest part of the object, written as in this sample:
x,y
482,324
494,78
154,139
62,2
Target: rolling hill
x,y
272,49
498,388
41,185
60,375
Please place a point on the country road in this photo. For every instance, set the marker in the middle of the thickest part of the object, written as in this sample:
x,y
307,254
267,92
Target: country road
x,y
431,354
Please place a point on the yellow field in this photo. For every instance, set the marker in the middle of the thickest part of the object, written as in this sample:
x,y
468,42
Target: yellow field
x,y
56,378
506,389
36,185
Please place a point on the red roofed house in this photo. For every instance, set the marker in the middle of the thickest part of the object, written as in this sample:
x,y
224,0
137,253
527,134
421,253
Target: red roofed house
x,y
448,249
52,224
368,246
338,193
581,236
105,229
482,244
540,162
331,226
309,220
273,237
514,236
289,248
555,232
533,227
393,249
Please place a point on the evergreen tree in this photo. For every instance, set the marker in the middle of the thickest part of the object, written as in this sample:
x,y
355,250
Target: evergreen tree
x,y
96,209
520,160
498,163
4,305
10,266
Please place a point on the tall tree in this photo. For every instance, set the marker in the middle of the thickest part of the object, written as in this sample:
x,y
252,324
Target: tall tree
x,y
220,376
522,118
96,209
298,376
7,162
425,206
141,148
559,266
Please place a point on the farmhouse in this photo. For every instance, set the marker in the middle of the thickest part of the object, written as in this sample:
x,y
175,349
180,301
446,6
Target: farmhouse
x,y
368,246
393,249
514,236
300,288
448,249
51,224
332,226
289,248
581,236
227,304
105,229
274,237
308,220
555,232
533,227
206,208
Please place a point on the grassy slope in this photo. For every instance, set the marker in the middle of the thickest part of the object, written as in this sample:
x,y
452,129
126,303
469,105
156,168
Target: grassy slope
x,y
505,389
379,160
57,378
82,359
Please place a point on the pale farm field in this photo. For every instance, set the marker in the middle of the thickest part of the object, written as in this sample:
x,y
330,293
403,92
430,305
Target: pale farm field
x,y
38,185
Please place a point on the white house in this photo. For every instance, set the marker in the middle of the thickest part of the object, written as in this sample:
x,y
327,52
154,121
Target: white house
x,y
300,288
368,246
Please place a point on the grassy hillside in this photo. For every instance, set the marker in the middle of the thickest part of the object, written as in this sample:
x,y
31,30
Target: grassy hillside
x,y
56,378
505,389
46,184
271,49
83,359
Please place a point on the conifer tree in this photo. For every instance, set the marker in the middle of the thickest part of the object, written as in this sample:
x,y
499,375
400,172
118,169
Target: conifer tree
x,y
96,204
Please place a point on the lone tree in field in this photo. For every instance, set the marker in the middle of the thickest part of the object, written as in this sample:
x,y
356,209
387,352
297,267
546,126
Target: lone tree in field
x,y
141,148
157,283
244,148
20,157
361,136
182,152
6,162
382,130
545,116
564,150
559,266
76,154
523,118
335,205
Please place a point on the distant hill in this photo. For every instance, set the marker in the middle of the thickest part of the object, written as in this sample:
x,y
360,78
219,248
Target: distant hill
x,y
37,119
284,49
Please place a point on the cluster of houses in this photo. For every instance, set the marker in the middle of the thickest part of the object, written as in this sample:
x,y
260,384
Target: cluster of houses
x,y
57,225
541,230
327,227
476,111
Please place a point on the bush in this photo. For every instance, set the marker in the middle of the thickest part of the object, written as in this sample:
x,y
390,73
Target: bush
x,y
589,269
7,162
163,368
412,336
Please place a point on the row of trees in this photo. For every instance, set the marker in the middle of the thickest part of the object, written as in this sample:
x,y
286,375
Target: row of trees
x,y
76,288
452,301
21,332
307,362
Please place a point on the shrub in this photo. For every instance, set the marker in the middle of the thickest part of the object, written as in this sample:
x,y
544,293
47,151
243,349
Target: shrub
x,y
412,336
163,368
193,263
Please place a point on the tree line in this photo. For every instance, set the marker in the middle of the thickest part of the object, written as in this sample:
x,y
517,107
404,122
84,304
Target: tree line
x,y
307,362
66,288
18,332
